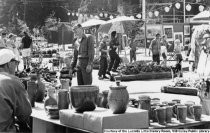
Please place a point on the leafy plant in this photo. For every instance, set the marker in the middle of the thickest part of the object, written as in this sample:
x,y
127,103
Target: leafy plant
x,y
142,67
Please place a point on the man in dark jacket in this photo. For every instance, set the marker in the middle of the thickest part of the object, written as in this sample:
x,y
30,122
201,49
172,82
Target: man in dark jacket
x,y
114,57
85,56
26,49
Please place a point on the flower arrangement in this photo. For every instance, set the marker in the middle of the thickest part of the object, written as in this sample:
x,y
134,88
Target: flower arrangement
x,y
142,67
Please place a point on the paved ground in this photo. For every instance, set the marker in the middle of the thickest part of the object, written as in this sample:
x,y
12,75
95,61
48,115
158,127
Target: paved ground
x,y
149,87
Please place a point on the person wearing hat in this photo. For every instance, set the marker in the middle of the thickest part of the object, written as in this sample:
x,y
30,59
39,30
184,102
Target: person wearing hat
x,y
14,102
86,52
155,47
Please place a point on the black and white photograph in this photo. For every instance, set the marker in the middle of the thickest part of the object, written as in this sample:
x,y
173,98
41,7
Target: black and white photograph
x,y
104,66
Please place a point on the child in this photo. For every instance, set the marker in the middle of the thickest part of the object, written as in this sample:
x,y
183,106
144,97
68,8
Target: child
x,y
177,50
65,72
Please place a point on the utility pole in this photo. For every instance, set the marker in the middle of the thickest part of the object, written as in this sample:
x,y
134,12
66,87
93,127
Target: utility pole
x,y
24,18
145,21
184,10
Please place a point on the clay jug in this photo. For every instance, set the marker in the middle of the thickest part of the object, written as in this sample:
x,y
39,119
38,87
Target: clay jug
x,y
104,99
190,109
153,116
63,99
182,113
40,89
32,89
51,98
64,83
161,115
169,113
118,99
197,111
144,102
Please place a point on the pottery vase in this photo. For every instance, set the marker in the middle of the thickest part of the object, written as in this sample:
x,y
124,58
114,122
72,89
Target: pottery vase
x,y
118,99
63,99
64,83
32,89
197,111
50,100
40,94
104,99
161,115
182,113
169,113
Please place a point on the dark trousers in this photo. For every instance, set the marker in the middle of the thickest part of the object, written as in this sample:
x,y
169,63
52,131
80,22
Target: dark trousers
x,y
114,60
103,66
156,58
83,78
132,55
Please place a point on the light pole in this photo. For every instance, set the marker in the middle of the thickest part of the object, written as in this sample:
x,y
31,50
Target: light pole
x,y
69,16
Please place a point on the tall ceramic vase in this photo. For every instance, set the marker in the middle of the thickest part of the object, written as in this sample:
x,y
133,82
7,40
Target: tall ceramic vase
x,y
40,89
118,99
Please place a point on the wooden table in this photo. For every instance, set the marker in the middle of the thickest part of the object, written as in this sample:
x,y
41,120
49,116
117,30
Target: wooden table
x,y
43,124
190,124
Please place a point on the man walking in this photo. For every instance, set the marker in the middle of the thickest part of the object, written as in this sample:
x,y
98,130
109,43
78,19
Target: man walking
x,y
155,48
103,58
85,56
26,49
114,57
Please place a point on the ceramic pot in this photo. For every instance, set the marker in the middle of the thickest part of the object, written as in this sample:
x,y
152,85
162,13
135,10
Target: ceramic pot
x,y
182,113
118,99
190,110
104,99
64,83
84,97
50,100
144,102
169,113
176,100
63,99
40,94
32,89
153,116
161,115
155,101
197,111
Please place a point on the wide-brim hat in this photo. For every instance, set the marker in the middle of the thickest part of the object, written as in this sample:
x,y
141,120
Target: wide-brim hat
x,y
6,55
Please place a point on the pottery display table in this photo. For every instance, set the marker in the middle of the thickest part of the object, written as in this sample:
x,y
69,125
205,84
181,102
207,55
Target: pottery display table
x,y
100,119
43,124
190,124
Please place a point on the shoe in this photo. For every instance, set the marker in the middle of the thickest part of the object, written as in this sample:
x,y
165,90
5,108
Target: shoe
x,y
108,73
114,70
100,78
105,77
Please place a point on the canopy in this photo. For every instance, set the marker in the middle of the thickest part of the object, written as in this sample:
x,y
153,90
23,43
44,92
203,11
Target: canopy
x,y
92,22
205,15
120,25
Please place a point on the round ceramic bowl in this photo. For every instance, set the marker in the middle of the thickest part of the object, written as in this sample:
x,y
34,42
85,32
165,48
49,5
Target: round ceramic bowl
x,y
84,97
52,111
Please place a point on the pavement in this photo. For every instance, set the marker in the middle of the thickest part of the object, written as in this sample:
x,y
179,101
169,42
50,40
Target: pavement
x,y
143,87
